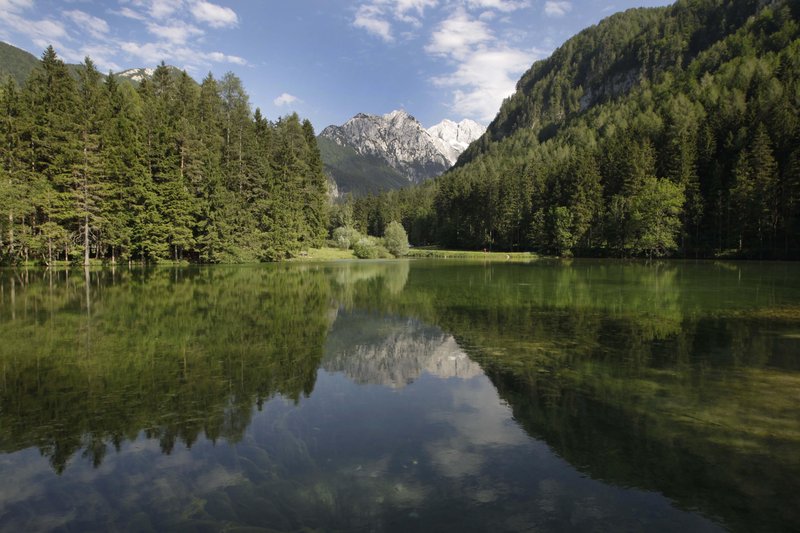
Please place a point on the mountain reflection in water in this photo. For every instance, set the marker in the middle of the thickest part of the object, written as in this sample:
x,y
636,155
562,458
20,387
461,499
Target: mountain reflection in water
x,y
398,395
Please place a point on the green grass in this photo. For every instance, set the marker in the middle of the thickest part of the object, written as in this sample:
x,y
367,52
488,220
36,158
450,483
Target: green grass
x,y
325,254
435,253
333,254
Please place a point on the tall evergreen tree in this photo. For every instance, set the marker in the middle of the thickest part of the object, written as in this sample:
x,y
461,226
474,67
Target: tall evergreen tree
x,y
52,102
90,190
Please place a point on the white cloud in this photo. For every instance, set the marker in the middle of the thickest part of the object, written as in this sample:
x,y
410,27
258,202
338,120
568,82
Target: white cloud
x,y
484,78
177,32
96,27
457,34
485,67
557,8
214,15
131,14
15,6
500,5
46,31
402,8
285,99
376,17
103,56
187,57
371,18
161,9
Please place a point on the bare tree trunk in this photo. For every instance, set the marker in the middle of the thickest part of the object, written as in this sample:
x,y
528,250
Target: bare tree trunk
x,y
11,233
85,205
86,239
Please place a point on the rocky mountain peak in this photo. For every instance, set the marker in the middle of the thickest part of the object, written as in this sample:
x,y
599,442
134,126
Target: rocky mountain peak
x,y
452,138
396,138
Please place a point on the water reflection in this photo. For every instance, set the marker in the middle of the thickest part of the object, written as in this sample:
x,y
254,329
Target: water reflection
x,y
396,396
393,351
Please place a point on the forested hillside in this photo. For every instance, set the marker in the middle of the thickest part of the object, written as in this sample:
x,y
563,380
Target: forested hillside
x,y
171,169
356,173
657,131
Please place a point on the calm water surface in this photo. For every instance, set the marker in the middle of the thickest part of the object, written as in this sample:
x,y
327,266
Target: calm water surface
x,y
398,396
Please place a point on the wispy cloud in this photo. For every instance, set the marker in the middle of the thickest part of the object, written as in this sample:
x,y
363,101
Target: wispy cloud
x,y
484,78
377,16
214,15
557,8
457,35
161,9
373,19
285,99
15,6
485,67
177,32
97,27
505,6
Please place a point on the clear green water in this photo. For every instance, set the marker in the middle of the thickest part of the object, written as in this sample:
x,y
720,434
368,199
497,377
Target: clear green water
x,y
399,396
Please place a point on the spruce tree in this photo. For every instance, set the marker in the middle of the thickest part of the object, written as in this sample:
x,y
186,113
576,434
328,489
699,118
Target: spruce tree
x,y
91,191
55,153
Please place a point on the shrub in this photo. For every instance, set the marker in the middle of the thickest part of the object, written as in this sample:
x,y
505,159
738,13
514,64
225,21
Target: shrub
x,y
345,237
396,239
370,248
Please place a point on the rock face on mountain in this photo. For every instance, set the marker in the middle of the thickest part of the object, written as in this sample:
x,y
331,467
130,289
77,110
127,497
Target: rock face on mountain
x,y
397,138
452,138
369,153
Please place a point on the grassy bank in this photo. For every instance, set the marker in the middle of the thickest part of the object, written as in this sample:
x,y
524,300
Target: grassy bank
x,y
435,253
324,254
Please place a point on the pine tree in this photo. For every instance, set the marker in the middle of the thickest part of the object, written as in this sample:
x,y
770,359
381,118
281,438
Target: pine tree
x,y
55,153
283,222
765,180
150,232
315,191
207,181
91,192
124,170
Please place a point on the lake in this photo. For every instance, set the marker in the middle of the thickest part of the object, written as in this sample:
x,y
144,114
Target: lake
x,y
402,395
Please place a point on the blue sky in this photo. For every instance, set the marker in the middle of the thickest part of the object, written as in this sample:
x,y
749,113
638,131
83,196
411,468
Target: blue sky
x,y
325,59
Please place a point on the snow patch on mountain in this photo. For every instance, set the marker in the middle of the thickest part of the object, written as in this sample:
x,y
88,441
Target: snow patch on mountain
x,y
137,74
452,138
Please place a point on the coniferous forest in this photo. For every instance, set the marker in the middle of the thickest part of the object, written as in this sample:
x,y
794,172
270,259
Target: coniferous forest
x,y
97,168
667,131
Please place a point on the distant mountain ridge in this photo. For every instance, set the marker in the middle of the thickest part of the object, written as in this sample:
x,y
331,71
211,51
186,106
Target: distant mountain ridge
x,y
19,63
369,153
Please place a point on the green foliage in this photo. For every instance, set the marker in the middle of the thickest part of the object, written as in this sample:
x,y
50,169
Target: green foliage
x,y
344,237
370,248
396,239
355,173
654,217
92,168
